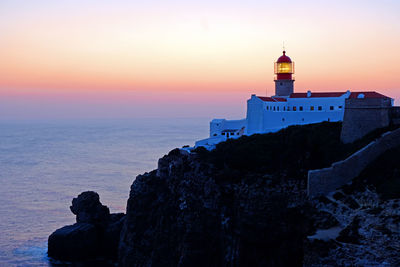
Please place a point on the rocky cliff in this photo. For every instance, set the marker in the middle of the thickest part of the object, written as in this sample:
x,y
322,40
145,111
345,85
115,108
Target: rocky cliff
x,y
95,235
245,204
184,214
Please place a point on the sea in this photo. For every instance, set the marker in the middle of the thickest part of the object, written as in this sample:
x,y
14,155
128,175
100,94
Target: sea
x,y
44,164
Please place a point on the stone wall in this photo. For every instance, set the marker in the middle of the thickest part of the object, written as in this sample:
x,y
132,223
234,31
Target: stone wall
x,y
363,115
323,181
395,115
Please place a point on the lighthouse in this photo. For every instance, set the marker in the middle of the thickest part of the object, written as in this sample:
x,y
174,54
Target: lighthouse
x,y
268,114
284,70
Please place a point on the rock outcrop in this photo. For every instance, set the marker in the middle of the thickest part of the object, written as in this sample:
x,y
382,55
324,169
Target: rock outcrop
x,y
88,209
237,207
94,235
245,204
367,235
368,215
186,214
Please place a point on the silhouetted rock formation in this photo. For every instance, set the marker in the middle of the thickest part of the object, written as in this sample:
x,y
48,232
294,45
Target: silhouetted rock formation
x,y
95,233
185,214
245,204
74,242
88,209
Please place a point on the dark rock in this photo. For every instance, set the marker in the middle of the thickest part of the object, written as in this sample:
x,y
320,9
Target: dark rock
x,y
351,203
96,233
325,200
324,220
338,196
317,250
375,210
88,209
383,229
347,200
74,242
350,234
112,234
242,204
184,214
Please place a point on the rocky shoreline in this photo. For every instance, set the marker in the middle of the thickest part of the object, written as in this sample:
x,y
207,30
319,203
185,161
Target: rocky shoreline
x,y
217,209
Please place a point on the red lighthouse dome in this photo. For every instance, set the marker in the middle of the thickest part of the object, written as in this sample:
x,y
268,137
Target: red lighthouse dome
x,y
284,58
284,68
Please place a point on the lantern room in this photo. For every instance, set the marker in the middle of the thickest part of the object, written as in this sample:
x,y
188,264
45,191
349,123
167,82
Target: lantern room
x,y
284,68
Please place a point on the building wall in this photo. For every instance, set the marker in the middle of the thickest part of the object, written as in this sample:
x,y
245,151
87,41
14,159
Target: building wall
x,y
323,181
363,115
360,115
298,111
217,126
254,117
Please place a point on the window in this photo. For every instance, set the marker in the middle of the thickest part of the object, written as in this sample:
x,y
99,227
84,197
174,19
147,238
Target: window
x,y
319,108
283,119
267,107
284,108
329,119
302,119
294,108
223,133
281,83
214,134
288,108
312,108
301,108
274,108
340,107
331,107
237,133
277,108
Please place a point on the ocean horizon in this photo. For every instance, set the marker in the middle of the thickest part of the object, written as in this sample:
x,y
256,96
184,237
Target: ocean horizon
x,y
46,163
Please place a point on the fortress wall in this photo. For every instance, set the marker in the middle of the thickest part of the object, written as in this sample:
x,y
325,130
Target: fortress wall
x,y
323,181
363,115
395,115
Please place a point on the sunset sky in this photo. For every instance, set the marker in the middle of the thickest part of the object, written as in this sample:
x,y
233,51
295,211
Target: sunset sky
x,y
122,59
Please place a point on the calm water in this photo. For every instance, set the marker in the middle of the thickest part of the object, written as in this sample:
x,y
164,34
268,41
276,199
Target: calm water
x,y
43,165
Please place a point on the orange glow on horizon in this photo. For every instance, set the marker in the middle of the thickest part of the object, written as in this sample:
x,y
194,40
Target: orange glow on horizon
x,y
207,51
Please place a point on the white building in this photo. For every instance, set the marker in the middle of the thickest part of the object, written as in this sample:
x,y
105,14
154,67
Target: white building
x,y
271,114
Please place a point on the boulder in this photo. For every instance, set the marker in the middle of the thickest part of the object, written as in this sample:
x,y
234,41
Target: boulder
x,y
350,234
94,235
74,242
88,209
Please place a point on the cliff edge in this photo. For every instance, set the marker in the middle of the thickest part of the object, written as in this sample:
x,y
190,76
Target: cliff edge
x,y
245,203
